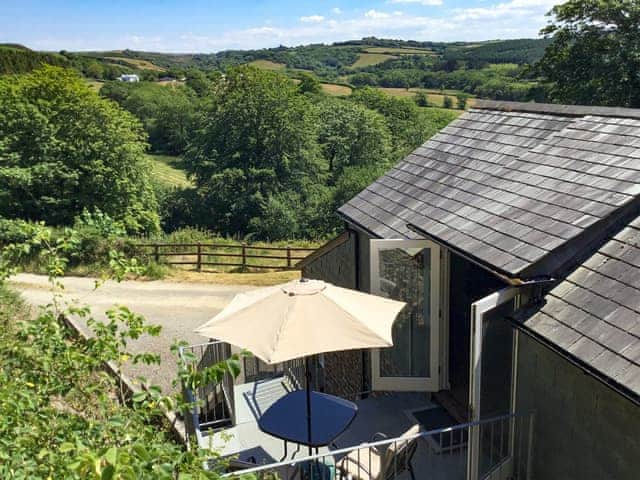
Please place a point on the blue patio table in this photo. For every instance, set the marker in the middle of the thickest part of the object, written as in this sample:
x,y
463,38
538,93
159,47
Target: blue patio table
x,y
287,419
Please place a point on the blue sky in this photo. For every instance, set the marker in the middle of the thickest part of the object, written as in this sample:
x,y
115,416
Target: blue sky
x,y
209,26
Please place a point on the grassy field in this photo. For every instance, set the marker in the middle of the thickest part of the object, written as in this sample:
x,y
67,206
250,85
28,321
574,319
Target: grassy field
x,y
268,65
435,97
399,51
137,63
166,170
336,90
368,59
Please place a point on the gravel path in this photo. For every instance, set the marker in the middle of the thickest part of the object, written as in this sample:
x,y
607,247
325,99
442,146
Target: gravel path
x,y
178,307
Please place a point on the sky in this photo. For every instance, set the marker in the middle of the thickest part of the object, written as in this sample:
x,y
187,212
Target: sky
x,y
209,26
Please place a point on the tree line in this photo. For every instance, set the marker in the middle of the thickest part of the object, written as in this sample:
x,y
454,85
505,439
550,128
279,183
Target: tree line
x,y
268,157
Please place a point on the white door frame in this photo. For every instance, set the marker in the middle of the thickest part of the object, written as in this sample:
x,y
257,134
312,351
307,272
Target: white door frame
x,y
411,384
478,311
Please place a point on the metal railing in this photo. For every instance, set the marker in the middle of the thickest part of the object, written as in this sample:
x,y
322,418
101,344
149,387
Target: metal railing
x,y
292,370
213,404
505,452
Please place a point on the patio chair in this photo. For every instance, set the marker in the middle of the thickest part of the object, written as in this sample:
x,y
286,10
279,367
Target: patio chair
x,y
373,463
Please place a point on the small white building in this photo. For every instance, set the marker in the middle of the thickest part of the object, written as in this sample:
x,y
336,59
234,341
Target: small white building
x,y
129,78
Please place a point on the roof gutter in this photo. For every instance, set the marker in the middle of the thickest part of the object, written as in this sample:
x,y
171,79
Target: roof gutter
x,y
503,275
585,367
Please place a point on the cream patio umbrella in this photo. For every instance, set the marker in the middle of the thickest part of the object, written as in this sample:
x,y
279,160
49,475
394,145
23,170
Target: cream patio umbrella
x,y
302,318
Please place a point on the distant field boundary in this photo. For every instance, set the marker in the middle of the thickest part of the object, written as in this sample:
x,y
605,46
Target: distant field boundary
x,y
241,255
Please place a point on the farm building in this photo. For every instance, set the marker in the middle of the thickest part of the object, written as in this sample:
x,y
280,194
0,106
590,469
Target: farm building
x,y
129,78
514,237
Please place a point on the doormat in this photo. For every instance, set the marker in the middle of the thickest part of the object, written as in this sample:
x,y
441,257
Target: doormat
x,y
435,418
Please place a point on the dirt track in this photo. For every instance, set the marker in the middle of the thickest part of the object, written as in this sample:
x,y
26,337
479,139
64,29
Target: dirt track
x,y
178,307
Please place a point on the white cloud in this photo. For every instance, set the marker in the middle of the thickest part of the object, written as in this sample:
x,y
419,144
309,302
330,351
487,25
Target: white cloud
x,y
376,14
495,19
429,3
336,11
514,8
312,19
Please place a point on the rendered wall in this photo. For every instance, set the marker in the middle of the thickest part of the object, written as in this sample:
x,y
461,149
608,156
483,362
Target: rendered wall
x,y
583,430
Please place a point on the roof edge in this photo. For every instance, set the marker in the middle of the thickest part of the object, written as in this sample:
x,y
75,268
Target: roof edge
x,y
556,109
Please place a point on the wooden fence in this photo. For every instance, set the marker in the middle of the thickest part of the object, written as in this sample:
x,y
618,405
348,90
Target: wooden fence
x,y
241,255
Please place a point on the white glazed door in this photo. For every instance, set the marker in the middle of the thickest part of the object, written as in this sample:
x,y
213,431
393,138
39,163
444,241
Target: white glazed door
x,y
408,270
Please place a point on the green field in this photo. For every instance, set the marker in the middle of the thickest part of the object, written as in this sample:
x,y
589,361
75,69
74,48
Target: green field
x,y
336,90
167,171
435,97
368,59
399,51
136,63
268,65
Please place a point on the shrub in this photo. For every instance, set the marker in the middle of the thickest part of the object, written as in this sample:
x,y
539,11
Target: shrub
x,y
462,100
421,99
447,102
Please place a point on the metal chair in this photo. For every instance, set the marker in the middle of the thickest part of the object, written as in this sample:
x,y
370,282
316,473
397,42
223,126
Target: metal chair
x,y
373,463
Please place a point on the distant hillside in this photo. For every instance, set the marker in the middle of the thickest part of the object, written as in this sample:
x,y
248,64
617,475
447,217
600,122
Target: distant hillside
x,y
331,61
16,58
512,51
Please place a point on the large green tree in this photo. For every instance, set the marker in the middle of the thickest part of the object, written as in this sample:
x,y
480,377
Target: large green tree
x,y
166,111
352,135
594,56
255,143
64,149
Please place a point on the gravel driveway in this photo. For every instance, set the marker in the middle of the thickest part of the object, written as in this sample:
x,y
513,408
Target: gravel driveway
x,y
178,307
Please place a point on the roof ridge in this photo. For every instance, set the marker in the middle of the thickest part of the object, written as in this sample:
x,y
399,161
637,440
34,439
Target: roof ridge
x,y
556,109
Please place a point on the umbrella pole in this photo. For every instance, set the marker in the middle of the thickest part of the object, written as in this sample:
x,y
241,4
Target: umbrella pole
x,y
307,374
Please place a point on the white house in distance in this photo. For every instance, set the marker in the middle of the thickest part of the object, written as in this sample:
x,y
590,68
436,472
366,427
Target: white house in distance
x,y
130,77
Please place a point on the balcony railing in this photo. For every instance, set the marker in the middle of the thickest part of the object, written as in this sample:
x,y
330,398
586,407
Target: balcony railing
x,y
213,404
505,452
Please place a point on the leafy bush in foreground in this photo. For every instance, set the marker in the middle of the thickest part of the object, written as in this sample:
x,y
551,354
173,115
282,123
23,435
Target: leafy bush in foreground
x,y
61,414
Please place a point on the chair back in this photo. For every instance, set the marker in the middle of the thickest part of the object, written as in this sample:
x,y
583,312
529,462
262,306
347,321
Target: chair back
x,y
398,455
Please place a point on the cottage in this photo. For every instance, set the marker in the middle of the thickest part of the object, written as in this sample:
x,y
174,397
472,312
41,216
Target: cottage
x,y
514,236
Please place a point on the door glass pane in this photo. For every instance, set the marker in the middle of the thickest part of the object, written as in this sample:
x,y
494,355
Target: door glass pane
x,y
495,389
404,275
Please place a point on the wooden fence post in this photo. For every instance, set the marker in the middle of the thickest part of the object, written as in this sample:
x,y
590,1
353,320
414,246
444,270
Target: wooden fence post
x,y
244,256
156,252
288,256
199,259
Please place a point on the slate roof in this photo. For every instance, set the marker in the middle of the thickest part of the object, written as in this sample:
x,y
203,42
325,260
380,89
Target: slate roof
x,y
594,314
509,184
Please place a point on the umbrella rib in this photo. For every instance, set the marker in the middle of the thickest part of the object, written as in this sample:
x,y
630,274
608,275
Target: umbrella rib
x,y
282,327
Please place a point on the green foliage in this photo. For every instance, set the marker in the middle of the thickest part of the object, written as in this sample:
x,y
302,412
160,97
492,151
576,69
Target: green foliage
x,y
63,149
63,415
594,56
447,102
15,59
421,99
198,82
461,100
167,112
409,125
309,84
520,51
256,140
352,135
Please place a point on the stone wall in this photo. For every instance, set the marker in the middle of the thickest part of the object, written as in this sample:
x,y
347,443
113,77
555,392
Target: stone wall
x,y
336,266
584,430
343,370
